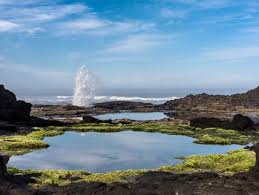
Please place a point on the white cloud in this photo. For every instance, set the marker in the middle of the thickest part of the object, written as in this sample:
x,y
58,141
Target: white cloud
x,y
228,54
82,25
97,26
207,4
29,16
40,13
171,13
37,16
7,26
137,43
19,2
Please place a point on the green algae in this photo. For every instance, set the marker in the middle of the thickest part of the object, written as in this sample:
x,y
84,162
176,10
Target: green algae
x,y
233,162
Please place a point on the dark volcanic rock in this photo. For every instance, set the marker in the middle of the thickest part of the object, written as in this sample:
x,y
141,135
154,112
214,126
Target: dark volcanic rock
x,y
157,183
5,126
38,122
11,109
210,122
123,105
255,171
256,168
249,100
239,122
90,119
15,115
3,161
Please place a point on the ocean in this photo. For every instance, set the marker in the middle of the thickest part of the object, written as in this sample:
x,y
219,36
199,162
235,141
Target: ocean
x,y
155,96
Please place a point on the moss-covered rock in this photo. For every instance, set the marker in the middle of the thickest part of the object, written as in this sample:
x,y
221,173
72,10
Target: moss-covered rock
x,y
231,163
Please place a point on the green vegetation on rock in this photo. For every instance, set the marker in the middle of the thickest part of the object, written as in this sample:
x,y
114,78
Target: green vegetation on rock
x,y
20,144
51,177
229,164
63,177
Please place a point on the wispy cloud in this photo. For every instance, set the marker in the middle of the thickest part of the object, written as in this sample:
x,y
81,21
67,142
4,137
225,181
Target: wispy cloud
x,y
15,2
28,16
43,13
173,13
61,19
97,26
253,29
7,26
206,4
83,25
138,43
232,53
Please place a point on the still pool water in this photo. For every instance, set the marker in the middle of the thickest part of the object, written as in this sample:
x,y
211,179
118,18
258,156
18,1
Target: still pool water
x,y
133,116
103,152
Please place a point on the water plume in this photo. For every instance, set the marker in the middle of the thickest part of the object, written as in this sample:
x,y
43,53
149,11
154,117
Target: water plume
x,y
84,91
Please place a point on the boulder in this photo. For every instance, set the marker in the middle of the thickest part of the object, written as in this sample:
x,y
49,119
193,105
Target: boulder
x,y
3,161
241,122
90,119
205,122
11,109
123,121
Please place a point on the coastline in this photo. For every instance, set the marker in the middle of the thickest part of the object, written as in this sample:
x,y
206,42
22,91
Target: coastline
x,y
231,168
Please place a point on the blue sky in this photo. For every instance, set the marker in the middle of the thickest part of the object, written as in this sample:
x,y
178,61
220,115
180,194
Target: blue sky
x,y
130,43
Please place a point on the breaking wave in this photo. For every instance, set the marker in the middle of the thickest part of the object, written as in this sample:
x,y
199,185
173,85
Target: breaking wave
x,y
98,99
62,100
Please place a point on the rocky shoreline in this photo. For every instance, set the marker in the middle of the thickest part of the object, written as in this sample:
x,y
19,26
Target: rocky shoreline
x,y
153,182
189,107
201,111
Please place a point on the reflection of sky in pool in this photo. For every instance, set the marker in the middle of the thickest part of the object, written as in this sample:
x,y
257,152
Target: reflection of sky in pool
x,y
133,116
102,152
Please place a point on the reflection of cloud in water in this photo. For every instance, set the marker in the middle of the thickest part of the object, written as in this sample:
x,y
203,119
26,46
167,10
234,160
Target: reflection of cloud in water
x,y
101,152
82,134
